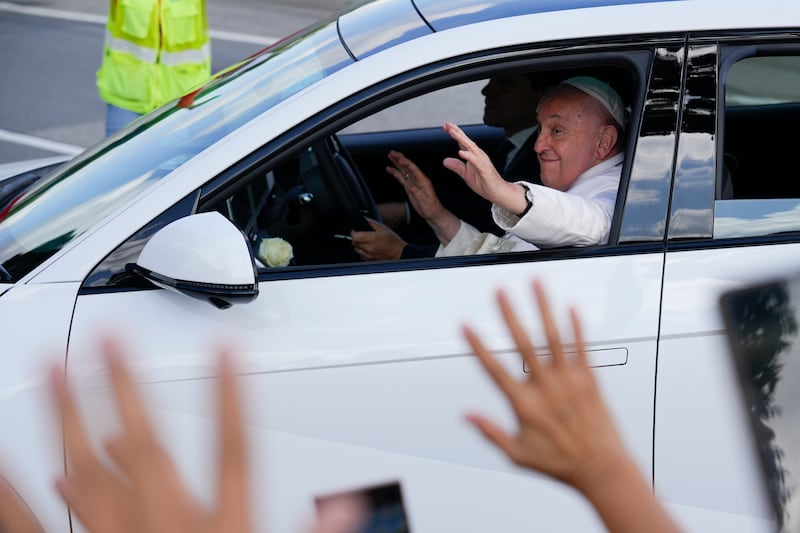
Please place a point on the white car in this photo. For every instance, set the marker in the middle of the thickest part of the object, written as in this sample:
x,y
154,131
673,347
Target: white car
x,y
355,373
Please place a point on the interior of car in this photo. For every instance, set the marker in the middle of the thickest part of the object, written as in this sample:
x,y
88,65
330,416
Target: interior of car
x,y
325,189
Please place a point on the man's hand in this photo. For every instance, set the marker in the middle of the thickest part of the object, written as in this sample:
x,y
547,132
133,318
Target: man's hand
x,y
380,244
423,197
476,169
417,186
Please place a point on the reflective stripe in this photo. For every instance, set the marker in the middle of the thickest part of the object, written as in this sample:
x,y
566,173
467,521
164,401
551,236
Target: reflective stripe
x,y
149,55
142,53
200,55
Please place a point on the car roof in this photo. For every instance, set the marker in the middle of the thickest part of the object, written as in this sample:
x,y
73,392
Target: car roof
x,y
374,25
446,14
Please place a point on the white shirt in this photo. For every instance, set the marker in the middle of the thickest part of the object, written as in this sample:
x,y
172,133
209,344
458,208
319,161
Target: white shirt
x,y
580,216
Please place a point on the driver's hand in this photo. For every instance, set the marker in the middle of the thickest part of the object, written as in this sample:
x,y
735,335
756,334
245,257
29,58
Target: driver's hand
x,y
380,244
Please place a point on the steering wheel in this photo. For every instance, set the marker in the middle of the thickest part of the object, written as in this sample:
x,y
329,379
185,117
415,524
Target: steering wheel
x,y
344,187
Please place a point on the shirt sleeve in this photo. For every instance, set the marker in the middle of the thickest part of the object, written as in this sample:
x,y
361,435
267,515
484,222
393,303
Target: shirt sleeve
x,y
461,243
469,241
558,218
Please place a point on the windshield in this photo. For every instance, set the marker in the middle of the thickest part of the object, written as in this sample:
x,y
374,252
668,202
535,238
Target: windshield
x,y
62,206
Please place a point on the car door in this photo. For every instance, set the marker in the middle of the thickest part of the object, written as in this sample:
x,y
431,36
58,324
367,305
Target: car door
x,y
733,221
356,376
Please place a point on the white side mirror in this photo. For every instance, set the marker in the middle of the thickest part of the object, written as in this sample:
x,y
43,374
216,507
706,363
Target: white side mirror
x,y
203,256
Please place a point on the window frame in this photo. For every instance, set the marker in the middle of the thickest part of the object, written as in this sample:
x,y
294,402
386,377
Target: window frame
x,y
727,48
634,53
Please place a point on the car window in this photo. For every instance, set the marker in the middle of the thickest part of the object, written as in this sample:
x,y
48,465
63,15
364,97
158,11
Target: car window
x,y
763,81
462,104
759,190
315,197
62,206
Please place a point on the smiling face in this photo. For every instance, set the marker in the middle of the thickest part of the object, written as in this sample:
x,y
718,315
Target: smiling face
x,y
576,133
510,103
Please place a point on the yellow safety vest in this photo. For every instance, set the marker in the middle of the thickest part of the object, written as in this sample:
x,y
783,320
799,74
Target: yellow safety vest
x,y
155,51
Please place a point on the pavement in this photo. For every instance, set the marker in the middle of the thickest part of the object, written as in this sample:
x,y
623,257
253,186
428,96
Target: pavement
x,y
224,15
50,50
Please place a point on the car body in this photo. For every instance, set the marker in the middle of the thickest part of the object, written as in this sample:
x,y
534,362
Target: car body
x,y
355,374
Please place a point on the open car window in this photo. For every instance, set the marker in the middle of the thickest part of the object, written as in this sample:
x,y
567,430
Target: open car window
x,y
312,200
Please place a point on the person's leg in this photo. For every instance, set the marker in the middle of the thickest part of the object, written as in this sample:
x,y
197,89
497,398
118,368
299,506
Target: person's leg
x,y
117,118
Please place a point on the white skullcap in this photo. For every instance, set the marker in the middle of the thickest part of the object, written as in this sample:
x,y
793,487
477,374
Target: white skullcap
x,y
602,92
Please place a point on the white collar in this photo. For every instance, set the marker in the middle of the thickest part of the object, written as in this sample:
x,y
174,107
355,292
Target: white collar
x,y
599,168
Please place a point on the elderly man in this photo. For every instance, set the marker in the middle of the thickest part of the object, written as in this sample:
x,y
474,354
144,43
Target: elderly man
x,y
579,150
510,103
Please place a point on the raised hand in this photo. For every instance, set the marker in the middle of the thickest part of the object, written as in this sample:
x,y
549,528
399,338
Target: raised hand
x,y
15,516
145,493
478,172
565,429
423,197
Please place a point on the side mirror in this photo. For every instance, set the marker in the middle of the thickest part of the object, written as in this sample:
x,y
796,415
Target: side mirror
x,y
203,256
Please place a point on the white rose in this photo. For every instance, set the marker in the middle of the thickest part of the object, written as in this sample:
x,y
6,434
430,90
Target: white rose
x,y
275,252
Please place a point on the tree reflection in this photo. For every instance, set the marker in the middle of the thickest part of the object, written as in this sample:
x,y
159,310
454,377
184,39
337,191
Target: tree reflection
x,y
765,328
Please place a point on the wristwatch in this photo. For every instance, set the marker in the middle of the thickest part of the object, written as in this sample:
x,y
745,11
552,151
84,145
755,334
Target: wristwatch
x,y
528,198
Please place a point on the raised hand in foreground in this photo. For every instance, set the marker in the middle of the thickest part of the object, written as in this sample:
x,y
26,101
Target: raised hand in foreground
x,y
145,494
565,429
15,516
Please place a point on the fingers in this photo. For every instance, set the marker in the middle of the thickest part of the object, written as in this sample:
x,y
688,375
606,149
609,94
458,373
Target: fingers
x,y
580,346
495,434
521,339
232,495
134,420
78,449
550,330
15,516
375,225
404,170
137,453
455,165
342,514
458,135
95,495
496,371
380,244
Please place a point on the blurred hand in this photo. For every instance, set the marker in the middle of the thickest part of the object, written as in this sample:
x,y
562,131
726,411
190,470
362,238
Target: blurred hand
x,y
565,430
477,170
380,244
143,493
15,516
